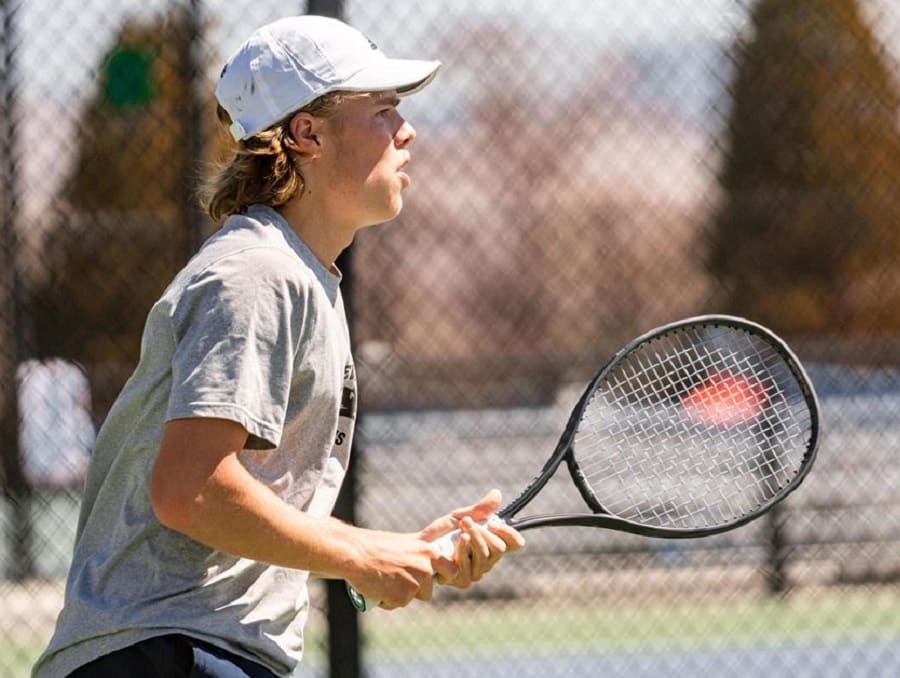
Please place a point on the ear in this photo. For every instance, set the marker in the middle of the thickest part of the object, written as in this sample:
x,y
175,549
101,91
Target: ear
x,y
305,132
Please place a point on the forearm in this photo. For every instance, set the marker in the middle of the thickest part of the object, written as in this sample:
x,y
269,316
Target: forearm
x,y
233,512
200,488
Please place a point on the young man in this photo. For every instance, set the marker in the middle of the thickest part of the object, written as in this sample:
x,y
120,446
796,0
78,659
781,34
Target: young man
x,y
207,501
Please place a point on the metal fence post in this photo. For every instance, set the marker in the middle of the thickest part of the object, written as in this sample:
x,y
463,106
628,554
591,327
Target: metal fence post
x,y
344,643
16,491
194,128
776,552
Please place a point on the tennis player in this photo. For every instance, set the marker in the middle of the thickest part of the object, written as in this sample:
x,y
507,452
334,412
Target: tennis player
x,y
207,500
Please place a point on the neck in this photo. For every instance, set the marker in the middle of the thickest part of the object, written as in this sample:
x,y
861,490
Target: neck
x,y
325,235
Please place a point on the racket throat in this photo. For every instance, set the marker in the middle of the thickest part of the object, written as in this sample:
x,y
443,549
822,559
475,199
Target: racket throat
x,y
581,482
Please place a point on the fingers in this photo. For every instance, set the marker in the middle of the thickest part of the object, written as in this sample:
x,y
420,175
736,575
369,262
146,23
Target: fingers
x,y
407,568
486,548
478,549
426,586
479,543
512,537
399,568
463,578
414,585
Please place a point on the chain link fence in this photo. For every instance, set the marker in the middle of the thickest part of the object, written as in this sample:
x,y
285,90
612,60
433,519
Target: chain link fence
x,y
583,171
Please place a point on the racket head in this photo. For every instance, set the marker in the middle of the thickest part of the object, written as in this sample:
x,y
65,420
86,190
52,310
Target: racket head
x,y
692,429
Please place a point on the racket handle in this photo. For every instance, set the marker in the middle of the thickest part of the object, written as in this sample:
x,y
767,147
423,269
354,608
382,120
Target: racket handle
x,y
445,545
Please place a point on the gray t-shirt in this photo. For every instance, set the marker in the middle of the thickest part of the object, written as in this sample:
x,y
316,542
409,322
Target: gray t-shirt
x,y
252,330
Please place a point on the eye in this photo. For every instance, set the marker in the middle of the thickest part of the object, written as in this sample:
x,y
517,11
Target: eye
x,y
388,106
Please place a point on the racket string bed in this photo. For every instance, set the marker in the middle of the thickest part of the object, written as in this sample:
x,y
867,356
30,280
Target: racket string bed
x,y
637,418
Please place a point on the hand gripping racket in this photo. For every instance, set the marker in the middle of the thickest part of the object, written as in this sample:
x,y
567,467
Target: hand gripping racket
x,y
693,429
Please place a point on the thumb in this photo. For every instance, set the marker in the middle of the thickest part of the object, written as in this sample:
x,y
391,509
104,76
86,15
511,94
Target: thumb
x,y
482,509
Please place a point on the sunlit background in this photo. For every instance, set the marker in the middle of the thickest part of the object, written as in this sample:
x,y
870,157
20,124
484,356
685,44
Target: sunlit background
x,y
584,170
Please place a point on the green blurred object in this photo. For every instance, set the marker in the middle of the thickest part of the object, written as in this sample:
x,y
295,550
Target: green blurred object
x,y
128,81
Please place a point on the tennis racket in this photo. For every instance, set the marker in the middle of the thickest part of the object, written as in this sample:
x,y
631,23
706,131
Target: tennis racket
x,y
693,429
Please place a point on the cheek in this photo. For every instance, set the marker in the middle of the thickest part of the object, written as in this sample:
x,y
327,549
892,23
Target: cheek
x,y
366,158
350,171
379,165
363,157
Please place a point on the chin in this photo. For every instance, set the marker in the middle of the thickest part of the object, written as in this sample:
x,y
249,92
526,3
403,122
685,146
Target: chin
x,y
386,211
393,210
383,219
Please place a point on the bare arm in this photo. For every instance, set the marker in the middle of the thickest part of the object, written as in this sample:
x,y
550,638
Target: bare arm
x,y
199,488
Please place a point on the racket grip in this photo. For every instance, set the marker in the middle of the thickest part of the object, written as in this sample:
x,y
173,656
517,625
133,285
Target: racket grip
x,y
445,545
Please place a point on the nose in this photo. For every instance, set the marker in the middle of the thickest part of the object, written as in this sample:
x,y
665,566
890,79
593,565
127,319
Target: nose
x,y
405,135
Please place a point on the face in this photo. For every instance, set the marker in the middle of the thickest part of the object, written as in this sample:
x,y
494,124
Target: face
x,y
363,158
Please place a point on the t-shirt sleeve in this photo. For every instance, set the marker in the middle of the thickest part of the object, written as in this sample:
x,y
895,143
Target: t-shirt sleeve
x,y
236,326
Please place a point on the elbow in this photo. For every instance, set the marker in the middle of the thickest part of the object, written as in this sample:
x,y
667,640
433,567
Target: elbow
x,y
173,509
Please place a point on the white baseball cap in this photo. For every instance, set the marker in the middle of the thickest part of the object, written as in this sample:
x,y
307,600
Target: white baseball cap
x,y
287,64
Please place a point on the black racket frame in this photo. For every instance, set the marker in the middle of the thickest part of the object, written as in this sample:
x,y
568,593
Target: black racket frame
x,y
600,516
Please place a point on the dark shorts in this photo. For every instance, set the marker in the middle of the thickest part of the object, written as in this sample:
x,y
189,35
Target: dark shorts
x,y
172,656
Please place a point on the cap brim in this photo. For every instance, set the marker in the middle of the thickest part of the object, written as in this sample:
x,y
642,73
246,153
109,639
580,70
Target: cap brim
x,y
407,76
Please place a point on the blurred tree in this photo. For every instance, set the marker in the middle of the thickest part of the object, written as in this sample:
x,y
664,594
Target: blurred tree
x,y
123,230
136,126
806,238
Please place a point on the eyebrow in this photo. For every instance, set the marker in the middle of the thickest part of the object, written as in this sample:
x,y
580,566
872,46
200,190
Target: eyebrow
x,y
389,98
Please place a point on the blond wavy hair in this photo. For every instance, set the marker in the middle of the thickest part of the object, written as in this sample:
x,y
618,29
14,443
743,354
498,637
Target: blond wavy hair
x,y
261,169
